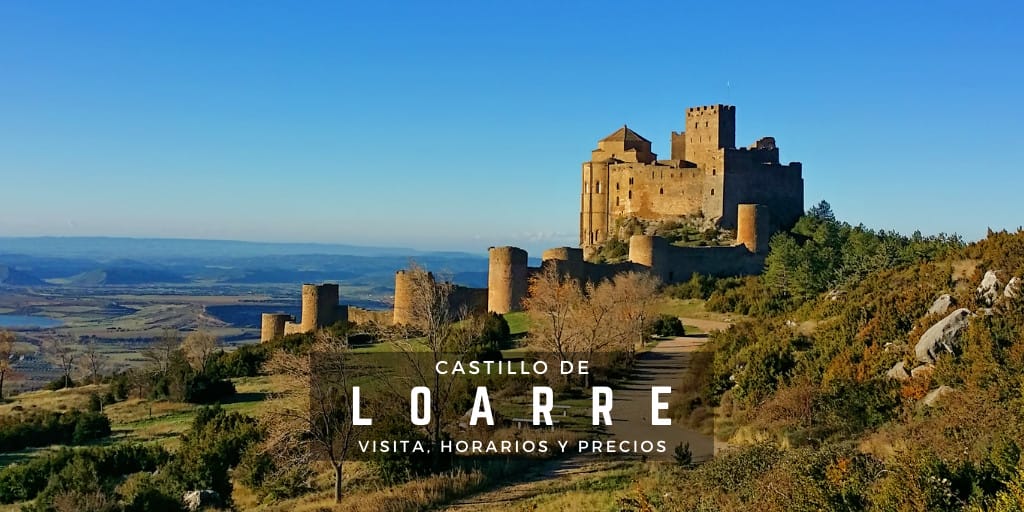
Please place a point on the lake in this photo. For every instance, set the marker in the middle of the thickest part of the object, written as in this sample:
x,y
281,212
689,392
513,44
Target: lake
x,y
26,321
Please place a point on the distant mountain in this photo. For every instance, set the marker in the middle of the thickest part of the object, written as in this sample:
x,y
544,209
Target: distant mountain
x,y
14,277
158,249
126,276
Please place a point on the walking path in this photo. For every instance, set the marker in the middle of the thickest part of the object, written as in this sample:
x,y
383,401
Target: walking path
x,y
664,365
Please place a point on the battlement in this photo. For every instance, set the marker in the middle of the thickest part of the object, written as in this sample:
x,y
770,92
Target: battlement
x,y
718,107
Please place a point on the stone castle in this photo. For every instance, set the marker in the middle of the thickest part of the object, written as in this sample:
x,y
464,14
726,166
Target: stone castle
x,y
745,189
707,176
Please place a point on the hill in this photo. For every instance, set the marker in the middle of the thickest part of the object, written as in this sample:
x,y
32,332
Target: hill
x,y
14,277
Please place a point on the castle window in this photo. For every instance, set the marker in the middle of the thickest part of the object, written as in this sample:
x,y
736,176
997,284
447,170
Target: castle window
x,y
705,124
598,187
661,191
616,185
616,200
630,195
630,180
714,172
712,191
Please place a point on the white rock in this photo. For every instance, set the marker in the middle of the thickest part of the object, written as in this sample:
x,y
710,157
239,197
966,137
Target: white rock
x,y
198,500
935,394
988,290
898,372
1012,290
941,305
943,336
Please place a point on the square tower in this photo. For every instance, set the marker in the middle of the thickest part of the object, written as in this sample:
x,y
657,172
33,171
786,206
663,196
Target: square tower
x,y
708,129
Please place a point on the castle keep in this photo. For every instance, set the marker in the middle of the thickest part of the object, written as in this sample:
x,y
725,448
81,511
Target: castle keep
x,y
741,189
707,176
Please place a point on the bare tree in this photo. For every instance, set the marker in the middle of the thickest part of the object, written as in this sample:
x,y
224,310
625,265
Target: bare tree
x,y
160,352
599,322
199,347
62,351
637,294
7,356
94,362
551,307
312,417
447,331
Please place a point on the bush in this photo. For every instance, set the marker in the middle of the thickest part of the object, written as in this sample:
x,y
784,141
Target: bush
x,y
44,428
667,326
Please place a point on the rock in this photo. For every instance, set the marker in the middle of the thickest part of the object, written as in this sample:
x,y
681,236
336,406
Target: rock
x,y
988,290
923,370
198,500
898,372
943,336
1012,290
941,305
935,394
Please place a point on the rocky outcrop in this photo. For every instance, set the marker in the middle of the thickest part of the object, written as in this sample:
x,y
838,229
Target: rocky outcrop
x,y
941,337
921,371
1012,290
990,288
941,305
198,500
934,395
898,372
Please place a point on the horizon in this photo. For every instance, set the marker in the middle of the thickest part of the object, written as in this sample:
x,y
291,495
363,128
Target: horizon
x,y
376,125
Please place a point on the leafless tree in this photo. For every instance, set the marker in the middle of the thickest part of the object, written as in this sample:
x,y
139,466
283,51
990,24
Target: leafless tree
x,y
312,417
160,352
637,293
199,347
551,307
94,362
599,322
62,351
7,356
447,331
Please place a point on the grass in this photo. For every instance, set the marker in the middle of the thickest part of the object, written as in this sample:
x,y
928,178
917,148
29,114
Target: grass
x,y
693,308
518,322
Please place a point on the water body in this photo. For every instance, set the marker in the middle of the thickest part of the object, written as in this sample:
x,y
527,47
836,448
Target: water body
x,y
28,322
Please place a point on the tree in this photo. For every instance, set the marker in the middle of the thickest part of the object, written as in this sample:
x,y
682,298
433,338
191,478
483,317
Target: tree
x,y
313,417
161,352
637,293
448,333
62,351
94,362
599,322
782,265
7,355
550,307
199,347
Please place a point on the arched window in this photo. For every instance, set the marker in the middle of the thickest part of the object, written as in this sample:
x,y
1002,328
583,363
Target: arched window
x,y
630,180
712,191
661,191
616,200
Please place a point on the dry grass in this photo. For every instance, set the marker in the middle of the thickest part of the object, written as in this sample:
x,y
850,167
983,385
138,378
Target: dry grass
x,y
64,399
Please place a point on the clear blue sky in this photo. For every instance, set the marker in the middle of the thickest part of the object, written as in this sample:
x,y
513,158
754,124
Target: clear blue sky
x,y
463,125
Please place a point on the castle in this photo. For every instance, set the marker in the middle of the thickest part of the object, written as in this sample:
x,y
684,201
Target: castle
x,y
706,176
746,189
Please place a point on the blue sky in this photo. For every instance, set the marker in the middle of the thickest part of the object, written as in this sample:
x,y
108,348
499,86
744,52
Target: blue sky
x,y
448,125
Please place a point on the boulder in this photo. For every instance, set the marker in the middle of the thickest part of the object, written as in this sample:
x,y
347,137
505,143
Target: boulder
x,y
941,305
923,370
941,337
1012,290
935,394
898,372
988,290
198,500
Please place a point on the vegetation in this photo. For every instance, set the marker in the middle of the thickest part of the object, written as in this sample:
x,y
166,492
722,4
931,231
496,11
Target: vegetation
x,y
45,428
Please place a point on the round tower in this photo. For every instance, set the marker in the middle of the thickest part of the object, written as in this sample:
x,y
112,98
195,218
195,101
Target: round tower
x,y
506,279
403,298
273,326
310,307
752,229
642,249
568,261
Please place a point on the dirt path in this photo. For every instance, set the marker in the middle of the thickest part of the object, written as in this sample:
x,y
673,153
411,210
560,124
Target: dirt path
x,y
663,365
